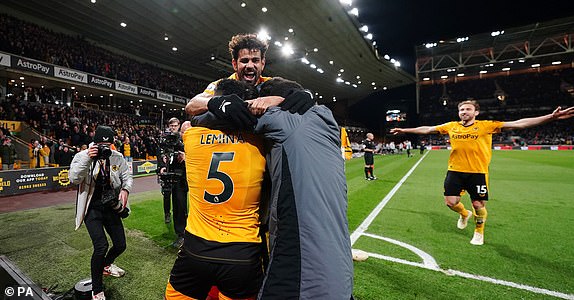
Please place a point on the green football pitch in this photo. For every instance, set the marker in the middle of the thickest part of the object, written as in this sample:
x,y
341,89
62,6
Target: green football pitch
x,y
416,251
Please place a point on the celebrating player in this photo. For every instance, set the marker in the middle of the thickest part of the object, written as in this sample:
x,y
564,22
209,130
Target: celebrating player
x,y
471,142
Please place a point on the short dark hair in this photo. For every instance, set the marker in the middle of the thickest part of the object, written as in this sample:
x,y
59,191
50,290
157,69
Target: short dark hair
x,y
279,86
242,89
246,41
173,120
471,102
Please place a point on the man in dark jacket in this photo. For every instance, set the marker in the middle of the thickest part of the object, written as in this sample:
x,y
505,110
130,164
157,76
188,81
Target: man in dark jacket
x,y
8,154
171,169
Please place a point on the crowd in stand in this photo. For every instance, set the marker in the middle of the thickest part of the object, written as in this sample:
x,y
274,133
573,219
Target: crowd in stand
x,y
65,131
32,41
525,95
55,95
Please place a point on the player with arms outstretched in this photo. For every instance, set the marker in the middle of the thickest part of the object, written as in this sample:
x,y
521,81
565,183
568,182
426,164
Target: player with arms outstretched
x,y
471,142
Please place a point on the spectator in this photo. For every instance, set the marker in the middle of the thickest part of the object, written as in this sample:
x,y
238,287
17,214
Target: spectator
x,y
36,155
66,156
126,149
7,153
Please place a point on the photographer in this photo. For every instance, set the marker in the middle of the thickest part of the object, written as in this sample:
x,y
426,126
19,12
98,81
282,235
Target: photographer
x,y
104,185
171,171
37,154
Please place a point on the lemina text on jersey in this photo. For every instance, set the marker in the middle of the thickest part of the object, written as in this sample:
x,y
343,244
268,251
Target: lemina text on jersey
x,y
222,138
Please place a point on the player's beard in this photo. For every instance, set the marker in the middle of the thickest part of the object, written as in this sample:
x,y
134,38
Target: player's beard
x,y
466,118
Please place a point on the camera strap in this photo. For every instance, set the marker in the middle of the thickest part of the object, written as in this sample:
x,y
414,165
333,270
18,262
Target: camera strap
x,y
105,171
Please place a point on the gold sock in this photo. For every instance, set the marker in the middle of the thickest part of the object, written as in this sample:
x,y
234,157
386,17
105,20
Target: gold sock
x,y
480,218
459,208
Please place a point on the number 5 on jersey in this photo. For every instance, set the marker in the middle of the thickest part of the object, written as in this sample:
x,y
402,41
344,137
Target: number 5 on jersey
x,y
214,173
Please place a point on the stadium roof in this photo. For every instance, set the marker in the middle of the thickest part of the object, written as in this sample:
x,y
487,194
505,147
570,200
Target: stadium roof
x,y
533,46
322,31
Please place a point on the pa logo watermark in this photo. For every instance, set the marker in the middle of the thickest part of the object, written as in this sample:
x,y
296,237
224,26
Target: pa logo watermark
x,y
18,292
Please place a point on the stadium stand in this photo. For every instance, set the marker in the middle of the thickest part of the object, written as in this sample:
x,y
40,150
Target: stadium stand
x,y
62,126
520,72
67,119
47,112
29,40
526,95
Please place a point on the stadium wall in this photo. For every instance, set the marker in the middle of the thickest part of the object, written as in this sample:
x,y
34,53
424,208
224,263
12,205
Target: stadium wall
x,y
50,71
24,181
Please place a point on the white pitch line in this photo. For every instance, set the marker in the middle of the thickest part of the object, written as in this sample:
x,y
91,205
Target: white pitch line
x,y
452,272
398,260
512,284
428,261
365,225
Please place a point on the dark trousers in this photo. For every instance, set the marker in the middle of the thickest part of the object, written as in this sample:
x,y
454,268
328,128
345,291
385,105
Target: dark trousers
x,y
178,195
98,219
166,201
179,202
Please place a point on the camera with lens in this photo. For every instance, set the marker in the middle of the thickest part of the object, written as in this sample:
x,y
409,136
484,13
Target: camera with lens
x,y
111,198
104,152
170,145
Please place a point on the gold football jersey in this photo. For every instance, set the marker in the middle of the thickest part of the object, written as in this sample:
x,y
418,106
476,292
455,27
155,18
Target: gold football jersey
x,y
224,175
471,145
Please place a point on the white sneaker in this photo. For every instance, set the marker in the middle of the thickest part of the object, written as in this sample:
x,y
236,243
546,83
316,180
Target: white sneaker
x,y
477,239
113,270
99,296
462,222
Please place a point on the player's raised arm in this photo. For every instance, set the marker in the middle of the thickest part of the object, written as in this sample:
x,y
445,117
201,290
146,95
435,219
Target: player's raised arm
x,y
416,130
258,106
557,114
198,104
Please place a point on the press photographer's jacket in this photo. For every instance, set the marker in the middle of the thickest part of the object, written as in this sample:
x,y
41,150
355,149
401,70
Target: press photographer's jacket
x,y
83,172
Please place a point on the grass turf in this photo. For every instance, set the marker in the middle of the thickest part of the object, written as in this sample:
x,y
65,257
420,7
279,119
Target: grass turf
x,y
527,234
